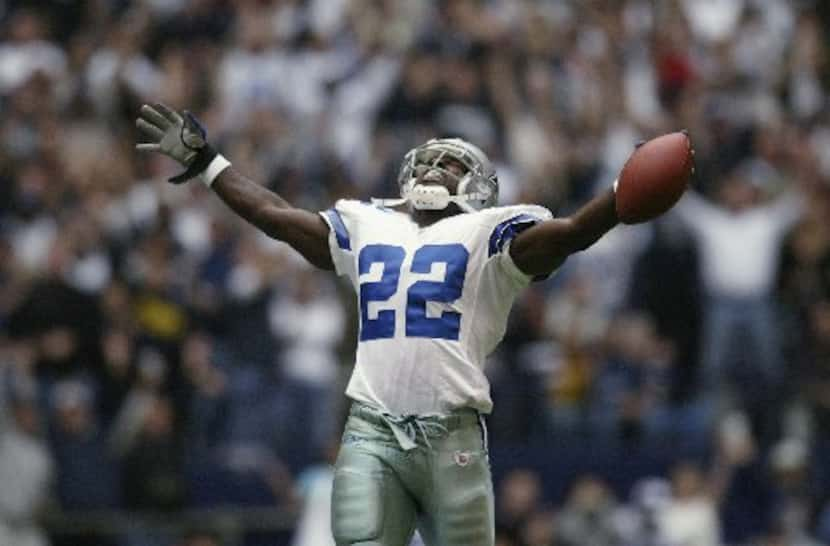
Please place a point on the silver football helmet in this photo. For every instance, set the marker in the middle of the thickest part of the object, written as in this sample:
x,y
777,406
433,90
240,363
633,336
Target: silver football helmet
x,y
478,186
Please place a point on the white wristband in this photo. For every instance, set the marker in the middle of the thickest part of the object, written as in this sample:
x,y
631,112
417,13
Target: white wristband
x,y
216,166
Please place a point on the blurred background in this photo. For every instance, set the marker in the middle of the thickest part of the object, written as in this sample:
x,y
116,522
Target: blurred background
x,y
168,376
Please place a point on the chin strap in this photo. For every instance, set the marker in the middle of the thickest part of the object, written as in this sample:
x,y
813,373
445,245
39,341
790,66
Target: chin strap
x,y
432,197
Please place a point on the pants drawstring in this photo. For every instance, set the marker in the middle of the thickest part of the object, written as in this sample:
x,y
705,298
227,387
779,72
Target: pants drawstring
x,y
406,430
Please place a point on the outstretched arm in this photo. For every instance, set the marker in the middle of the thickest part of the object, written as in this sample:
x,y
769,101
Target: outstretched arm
x,y
540,249
182,138
305,231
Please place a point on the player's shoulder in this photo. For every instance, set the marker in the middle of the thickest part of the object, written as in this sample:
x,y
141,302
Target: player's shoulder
x,y
356,211
498,218
352,206
356,207
524,212
502,224
356,219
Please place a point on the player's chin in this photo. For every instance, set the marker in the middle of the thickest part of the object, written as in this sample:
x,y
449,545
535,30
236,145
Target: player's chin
x,y
436,214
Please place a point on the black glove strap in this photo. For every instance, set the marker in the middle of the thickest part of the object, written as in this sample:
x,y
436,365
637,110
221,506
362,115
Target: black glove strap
x,y
203,158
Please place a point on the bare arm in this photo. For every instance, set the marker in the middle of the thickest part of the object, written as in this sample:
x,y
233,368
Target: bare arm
x,y
539,250
305,231
182,138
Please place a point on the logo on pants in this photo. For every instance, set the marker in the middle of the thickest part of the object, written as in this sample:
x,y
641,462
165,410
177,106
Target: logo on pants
x,y
462,458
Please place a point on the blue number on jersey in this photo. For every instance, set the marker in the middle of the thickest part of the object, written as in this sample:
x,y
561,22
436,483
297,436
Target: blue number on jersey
x,y
391,257
446,326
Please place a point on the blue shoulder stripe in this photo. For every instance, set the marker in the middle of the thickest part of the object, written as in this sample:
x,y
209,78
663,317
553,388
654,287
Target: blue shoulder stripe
x,y
340,231
507,230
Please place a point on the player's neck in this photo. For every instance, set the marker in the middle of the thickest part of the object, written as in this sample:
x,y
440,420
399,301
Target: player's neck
x,y
426,218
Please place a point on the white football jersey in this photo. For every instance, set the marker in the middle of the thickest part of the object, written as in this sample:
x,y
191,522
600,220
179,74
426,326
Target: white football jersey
x,y
433,301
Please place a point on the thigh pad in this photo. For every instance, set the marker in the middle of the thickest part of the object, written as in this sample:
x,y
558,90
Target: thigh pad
x,y
357,507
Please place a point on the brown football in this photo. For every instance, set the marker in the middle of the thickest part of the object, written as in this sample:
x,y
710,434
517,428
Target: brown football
x,y
654,177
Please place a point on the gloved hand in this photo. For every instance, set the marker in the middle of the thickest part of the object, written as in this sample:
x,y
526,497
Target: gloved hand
x,y
180,137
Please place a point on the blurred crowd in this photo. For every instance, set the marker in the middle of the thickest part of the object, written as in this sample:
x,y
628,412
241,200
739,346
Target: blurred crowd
x,y
158,355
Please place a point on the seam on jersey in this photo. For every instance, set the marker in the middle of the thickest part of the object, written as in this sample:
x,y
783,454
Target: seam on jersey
x,y
340,231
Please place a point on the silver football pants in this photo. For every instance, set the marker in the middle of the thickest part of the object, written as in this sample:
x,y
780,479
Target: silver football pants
x,y
396,473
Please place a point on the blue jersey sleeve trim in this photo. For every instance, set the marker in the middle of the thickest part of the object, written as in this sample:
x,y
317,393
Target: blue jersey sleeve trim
x,y
340,231
507,230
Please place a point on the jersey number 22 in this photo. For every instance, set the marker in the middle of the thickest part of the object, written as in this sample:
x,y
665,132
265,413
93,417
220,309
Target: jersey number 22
x,y
418,324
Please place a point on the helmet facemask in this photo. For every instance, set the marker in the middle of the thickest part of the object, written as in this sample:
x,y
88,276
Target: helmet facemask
x,y
477,186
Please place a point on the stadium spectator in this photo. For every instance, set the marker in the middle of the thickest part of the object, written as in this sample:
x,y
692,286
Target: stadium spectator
x,y
205,397
793,492
87,477
588,514
152,467
690,516
26,465
739,241
519,496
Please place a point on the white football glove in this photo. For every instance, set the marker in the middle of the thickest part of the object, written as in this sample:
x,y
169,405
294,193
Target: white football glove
x,y
180,137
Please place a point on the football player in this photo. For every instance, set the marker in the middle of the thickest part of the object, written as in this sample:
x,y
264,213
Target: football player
x,y
435,272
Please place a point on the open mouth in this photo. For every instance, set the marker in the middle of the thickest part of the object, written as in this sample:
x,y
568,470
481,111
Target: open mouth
x,y
433,176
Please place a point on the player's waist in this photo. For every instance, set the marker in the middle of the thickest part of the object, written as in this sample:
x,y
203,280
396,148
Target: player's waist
x,y
457,419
